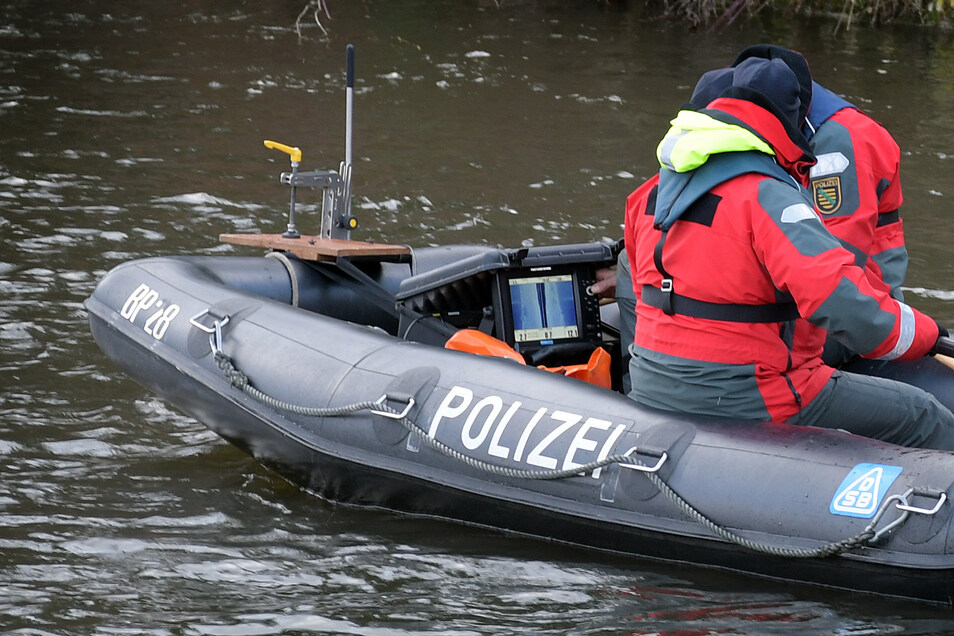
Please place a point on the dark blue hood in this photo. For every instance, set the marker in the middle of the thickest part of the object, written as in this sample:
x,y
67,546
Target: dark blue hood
x,y
824,104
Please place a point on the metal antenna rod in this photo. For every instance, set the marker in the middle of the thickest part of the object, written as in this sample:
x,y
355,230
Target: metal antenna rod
x,y
349,122
346,221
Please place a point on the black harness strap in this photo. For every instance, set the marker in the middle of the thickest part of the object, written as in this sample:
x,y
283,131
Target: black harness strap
x,y
887,218
663,295
727,312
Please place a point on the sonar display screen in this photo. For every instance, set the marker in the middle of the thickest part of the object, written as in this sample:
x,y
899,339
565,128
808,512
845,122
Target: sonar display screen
x,y
544,308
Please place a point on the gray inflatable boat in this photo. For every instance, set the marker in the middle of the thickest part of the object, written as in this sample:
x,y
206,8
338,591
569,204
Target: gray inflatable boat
x,y
333,370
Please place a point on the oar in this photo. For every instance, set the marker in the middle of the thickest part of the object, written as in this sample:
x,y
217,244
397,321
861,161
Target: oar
x,y
945,351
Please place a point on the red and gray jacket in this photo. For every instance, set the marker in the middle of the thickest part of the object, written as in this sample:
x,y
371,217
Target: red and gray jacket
x,y
856,185
729,259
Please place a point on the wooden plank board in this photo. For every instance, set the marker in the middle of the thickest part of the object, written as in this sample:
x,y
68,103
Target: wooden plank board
x,y
313,248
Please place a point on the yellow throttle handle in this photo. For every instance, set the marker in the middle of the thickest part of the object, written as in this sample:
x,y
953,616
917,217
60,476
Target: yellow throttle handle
x,y
294,153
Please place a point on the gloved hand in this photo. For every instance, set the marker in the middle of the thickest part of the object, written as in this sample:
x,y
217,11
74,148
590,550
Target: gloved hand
x,y
944,344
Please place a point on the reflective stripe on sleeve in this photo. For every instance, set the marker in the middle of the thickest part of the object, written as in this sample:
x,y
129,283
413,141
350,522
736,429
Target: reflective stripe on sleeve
x,y
906,337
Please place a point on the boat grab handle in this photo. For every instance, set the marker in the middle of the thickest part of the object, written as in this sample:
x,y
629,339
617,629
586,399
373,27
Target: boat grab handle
x,y
641,468
941,498
906,509
383,401
214,330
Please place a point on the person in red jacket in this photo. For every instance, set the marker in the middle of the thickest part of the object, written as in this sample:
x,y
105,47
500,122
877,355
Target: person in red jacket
x,y
855,183
737,279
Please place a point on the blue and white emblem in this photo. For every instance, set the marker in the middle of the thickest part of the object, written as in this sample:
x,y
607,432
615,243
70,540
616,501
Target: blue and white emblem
x,y
862,490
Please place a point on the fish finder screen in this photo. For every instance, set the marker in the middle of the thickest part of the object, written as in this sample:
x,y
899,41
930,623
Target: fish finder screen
x,y
544,308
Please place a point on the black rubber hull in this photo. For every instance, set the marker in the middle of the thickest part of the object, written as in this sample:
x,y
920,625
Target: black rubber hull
x,y
770,484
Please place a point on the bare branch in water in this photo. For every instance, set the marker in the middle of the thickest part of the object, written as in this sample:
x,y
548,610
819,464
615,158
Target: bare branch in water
x,y
318,6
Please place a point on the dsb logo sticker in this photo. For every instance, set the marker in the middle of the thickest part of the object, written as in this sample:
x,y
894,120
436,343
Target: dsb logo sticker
x,y
862,490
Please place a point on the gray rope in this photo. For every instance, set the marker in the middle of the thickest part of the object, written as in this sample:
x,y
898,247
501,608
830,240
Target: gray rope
x,y
863,538
240,381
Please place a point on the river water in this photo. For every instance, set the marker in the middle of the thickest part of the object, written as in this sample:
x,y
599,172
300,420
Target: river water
x,y
129,134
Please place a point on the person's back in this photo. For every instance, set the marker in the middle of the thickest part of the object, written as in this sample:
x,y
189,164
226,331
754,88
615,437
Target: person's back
x,y
712,366
856,185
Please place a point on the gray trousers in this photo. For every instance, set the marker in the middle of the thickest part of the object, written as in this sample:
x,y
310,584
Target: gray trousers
x,y
626,299
880,408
